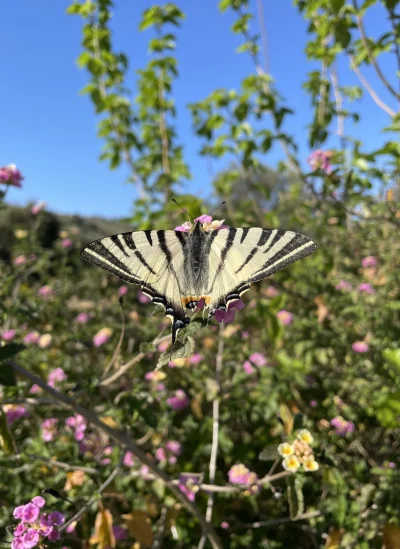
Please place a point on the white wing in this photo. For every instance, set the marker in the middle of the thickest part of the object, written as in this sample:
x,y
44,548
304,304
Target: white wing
x,y
240,257
151,259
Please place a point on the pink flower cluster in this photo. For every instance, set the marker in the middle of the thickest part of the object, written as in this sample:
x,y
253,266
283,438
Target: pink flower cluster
x,y
10,175
35,525
206,221
320,160
82,318
169,452
8,335
78,424
179,401
56,376
102,337
342,426
46,292
343,286
285,317
369,261
239,474
189,484
14,412
360,347
255,359
229,315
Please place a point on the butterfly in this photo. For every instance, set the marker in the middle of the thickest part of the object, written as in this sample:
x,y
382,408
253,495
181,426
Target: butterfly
x,y
178,270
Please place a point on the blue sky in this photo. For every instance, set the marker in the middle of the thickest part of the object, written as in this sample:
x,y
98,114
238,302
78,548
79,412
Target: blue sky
x,y
49,129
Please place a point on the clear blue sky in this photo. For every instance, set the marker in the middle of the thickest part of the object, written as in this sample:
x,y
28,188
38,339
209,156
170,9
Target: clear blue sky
x,y
49,130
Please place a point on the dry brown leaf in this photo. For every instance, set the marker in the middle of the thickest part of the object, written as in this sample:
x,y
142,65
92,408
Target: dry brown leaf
x,y
110,422
195,405
287,418
103,533
334,538
322,309
139,525
390,195
74,478
208,342
231,329
391,536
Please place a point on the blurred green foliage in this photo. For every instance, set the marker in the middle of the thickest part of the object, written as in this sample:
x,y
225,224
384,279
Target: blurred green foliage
x,y
337,356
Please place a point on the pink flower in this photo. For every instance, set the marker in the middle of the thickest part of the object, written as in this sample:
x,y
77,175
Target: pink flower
x,y
320,160
18,543
160,454
82,318
78,423
313,403
225,525
229,315
285,317
163,346
129,460
119,532
342,426
31,538
49,430
45,291
31,338
35,389
248,368
56,518
56,376
143,298
360,347
174,447
102,337
195,359
206,221
123,290
20,529
14,413
258,359
8,335
54,535
67,243
149,376
19,260
38,207
39,501
369,261
10,175
18,512
343,286
30,513
180,401
239,474
366,288
189,485
271,291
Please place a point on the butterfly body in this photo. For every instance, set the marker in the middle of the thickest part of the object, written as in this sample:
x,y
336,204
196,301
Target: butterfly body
x,y
179,269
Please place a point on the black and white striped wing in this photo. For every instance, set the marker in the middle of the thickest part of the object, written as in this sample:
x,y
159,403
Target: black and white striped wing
x,y
151,259
243,256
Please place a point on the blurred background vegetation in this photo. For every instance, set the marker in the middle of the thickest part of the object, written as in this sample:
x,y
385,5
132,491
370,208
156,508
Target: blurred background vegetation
x,y
316,346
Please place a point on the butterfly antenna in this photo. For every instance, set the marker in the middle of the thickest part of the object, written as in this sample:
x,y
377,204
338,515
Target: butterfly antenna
x,y
183,209
222,203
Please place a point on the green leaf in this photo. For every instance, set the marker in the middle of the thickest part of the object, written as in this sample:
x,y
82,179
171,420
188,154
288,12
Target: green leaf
x,y
10,350
7,375
270,453
392,356
7,443
295,495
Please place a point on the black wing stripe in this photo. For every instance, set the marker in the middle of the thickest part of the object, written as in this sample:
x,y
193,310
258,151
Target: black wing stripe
x,y
98,254
245,232
263,238
248,259
128,239
115,240
149,237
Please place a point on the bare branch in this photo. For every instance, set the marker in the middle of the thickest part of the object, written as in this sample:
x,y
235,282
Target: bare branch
x,y
283,520
125,441
370,54
370,89
263,30
215,431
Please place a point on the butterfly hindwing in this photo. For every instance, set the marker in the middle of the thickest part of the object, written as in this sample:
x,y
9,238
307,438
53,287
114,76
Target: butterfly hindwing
x,y
151,259
243,256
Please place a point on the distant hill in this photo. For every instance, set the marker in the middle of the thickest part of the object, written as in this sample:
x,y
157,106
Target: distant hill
x,y
49,225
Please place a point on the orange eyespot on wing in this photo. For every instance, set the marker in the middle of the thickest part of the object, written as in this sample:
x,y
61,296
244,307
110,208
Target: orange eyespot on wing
x,y
190,301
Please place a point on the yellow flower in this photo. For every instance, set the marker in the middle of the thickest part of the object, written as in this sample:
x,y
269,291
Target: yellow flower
x,y
20,234
63,234
305,436
285,449
310,464
291,464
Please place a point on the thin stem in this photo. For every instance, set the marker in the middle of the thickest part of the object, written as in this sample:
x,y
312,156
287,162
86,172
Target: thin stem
x,y
215,430
370,54
370,89
92,499
339,104
283,520
263,30
125,367
163,126
125,441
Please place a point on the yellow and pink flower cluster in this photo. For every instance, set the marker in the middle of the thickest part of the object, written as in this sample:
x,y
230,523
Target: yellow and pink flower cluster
x,y
299,453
